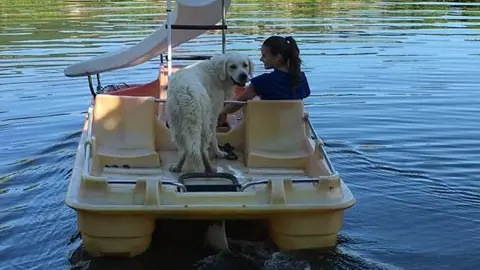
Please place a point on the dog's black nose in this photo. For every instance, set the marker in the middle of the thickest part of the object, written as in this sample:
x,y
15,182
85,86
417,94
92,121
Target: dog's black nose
x,y
243,77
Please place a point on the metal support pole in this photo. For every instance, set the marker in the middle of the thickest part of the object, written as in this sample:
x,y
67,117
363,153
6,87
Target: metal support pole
x,y
169,30
223,29
90,86
99,83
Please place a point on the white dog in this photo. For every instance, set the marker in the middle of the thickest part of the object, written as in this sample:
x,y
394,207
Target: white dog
x,y
195,98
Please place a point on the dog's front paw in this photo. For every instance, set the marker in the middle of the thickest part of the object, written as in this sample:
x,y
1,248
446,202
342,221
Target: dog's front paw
x,y
174,169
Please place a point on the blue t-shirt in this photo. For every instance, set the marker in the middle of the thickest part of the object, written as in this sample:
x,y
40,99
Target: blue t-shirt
x,y
277,85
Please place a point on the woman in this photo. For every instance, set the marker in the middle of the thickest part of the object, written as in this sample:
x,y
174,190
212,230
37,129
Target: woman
x,y
286,81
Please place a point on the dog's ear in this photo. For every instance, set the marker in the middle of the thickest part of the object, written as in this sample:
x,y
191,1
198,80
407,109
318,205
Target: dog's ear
x,y
220,65
250,67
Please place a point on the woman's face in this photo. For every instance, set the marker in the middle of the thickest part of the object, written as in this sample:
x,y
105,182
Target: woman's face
x,y
269,60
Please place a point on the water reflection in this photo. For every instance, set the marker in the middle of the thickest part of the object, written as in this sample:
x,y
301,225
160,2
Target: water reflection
x,y
394,96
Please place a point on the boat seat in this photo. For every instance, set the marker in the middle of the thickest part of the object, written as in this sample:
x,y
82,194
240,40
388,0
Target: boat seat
x,y
275,134
123,131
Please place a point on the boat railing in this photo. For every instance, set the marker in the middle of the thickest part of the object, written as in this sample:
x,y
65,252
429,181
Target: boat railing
x,y
244,186
88,142
180,186
313,180
317,138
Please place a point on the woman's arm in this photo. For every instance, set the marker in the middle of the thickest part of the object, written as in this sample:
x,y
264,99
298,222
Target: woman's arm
x,y
249,93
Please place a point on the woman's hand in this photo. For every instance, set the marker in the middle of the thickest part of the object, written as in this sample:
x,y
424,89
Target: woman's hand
x,y
231,108
222,119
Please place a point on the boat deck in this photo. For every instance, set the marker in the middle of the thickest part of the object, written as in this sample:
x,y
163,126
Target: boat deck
x,y
234,167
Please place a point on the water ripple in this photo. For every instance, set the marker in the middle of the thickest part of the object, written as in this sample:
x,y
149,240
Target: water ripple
x,y
393,95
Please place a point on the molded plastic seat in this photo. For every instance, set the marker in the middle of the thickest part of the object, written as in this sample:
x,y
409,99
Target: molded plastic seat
x,y
123,131
275,134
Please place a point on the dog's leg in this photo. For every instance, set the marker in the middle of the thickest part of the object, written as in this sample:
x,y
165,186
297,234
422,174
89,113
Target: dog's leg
x,y
193,150
178,167
206,160
206,137
217,153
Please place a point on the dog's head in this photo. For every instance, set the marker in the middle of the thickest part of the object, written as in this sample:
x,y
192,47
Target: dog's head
x,y
233,66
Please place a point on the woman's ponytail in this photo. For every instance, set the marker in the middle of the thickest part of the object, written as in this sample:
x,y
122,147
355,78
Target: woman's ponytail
x,y
294,61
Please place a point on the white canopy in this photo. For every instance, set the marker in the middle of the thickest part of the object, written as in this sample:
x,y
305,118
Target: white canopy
x,y
186,12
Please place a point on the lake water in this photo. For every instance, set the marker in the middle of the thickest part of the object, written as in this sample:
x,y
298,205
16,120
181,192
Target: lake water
x,y
395,97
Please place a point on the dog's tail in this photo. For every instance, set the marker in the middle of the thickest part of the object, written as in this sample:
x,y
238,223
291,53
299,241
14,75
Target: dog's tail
x,y
193,146
192,141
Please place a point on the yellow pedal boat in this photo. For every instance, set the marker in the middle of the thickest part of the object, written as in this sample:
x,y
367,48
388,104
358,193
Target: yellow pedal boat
x,y
121,183
278,172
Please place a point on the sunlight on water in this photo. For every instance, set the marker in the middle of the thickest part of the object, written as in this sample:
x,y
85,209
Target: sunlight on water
x,y
394,97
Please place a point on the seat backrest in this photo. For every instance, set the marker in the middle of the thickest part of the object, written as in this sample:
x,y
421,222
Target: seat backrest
x,y
275,125
125,122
